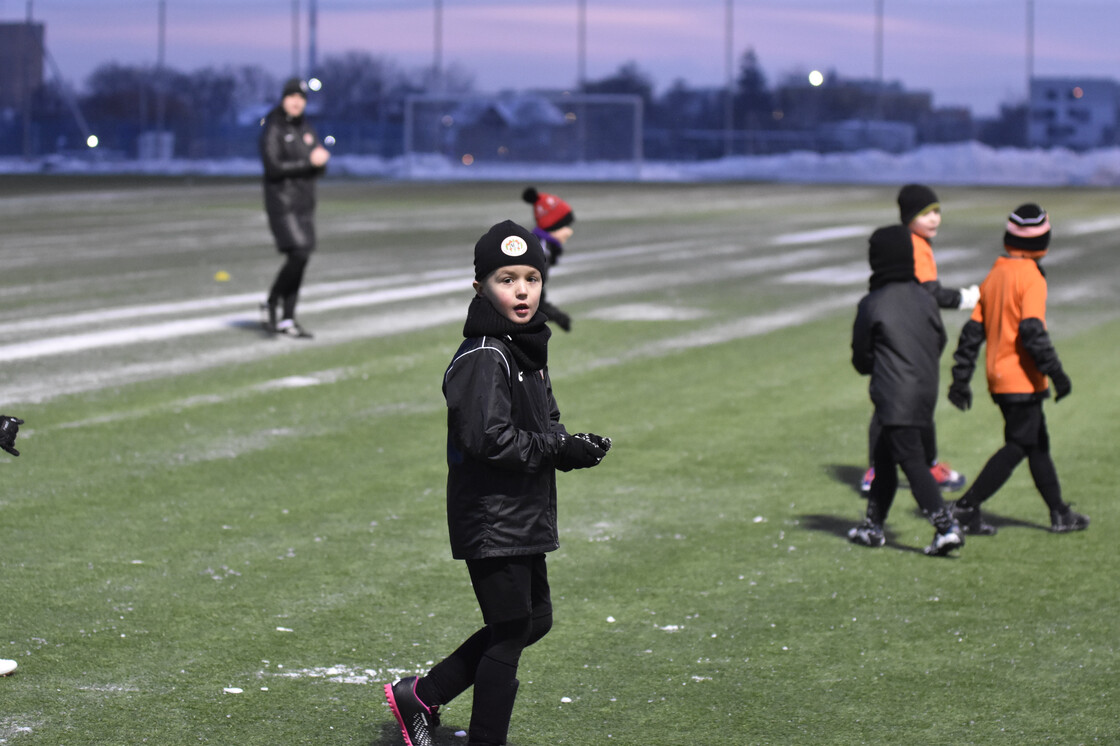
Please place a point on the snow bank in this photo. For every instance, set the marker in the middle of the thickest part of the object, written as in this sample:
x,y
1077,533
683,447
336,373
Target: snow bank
x,y
960,164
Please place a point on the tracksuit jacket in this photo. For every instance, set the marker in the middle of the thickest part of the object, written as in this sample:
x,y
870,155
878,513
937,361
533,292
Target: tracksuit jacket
x,y
897,339
1011,319
503,431
289,178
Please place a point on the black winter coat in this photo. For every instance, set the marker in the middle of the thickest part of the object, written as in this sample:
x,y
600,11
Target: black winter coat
x,y
897,339
289,177
503,430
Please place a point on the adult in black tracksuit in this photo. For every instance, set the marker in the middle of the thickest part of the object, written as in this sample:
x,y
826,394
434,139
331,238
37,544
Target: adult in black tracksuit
x,y
504,444
897,339
293,158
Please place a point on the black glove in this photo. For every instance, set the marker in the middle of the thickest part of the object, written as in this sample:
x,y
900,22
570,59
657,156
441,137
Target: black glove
x,y
1062,385
960,395
595,440
577,453
9,426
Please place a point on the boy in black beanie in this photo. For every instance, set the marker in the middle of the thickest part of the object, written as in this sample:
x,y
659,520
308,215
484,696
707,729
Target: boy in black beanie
x,y
897,339
1011,319
504,445
920,210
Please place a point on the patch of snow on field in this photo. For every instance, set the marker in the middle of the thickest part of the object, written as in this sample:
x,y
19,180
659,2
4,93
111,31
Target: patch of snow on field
x,y
646,312
10,728
964,163
342,674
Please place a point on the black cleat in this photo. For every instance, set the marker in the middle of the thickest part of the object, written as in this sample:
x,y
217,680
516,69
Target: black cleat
x,y
867,534
416,719
945,541
970,519
268,317
1063,523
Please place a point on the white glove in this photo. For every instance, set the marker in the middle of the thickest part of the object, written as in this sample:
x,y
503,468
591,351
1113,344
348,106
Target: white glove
x,y
970,296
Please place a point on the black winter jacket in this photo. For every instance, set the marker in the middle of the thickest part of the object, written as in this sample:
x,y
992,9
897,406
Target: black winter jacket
x,y
897,339
289,177
503,430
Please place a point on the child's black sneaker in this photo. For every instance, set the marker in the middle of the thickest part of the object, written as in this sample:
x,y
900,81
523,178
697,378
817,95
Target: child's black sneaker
x,y
945,541
867,534
970,520
416,719
268,317
1063,523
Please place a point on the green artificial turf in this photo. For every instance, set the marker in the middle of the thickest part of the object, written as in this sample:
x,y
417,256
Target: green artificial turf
x,y
275,523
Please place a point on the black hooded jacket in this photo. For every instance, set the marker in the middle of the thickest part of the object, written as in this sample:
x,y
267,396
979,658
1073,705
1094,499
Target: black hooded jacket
x,y
503,430
289,178
898,336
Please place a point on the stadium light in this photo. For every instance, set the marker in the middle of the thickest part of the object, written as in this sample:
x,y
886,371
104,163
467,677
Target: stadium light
x,y
92,141
816,78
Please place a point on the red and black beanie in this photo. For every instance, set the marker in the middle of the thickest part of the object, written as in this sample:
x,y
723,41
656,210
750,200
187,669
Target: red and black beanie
x,y
1028,229
551,212
891,254
506,244
913,200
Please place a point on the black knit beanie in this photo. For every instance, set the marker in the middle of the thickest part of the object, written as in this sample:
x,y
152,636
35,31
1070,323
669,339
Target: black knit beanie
x,y
891,254
1028,229
913,200
505,244
294,85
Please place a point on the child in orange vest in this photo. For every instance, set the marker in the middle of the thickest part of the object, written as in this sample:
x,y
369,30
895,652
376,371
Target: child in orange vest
x,y
1011,319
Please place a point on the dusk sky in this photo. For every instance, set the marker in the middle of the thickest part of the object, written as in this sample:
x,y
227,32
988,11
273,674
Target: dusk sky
x,y
967,52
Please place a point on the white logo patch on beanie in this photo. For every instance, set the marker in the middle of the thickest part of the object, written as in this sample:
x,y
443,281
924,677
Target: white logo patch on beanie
x,y
514,246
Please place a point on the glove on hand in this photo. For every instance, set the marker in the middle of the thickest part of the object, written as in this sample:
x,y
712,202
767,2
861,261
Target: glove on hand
x,y
9,426
970,296
577,453
1062,385
960,395
595,440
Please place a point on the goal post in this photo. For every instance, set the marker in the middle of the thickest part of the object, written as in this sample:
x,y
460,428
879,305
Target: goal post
x,y
531,127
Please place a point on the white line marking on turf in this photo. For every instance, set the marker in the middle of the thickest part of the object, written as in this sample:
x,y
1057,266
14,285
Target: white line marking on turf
x,y
822,235
646,312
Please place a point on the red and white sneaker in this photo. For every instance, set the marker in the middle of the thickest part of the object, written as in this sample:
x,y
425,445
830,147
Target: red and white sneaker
x,y
947,478
865,483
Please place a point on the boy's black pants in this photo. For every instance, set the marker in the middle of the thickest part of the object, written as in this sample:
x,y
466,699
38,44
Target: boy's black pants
x,y
1025,436
514,596
902,447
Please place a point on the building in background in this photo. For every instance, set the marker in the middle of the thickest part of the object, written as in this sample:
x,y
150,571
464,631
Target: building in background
x,y
1075,113
21,64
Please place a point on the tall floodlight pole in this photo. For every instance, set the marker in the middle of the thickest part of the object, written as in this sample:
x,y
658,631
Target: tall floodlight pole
x,y
27,91
295,38
581,43
437,46
161,46
1030,71
729,68
879,59
312,37
581,79
1030,46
